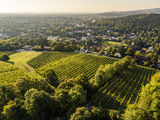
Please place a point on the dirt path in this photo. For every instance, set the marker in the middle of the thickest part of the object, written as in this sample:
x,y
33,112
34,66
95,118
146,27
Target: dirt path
x,y
26,67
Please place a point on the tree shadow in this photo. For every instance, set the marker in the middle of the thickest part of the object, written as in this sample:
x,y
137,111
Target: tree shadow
x,y
10,62
107,101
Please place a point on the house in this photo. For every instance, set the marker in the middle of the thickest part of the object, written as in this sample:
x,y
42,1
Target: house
x,y
150,48
27,48
133,37
123,41
83,50
93,21
88,34
109,31
158,64
47,48
132,34
117,54
106,37
88,38
105,52
95,49
104,47
51,38
84,39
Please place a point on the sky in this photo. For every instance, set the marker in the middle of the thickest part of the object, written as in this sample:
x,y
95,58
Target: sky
x,y
74,6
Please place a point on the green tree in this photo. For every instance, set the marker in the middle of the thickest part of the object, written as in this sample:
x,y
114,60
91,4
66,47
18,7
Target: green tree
x,y
39,104
102,52
51,77
130,52
81,113
4,57
14,110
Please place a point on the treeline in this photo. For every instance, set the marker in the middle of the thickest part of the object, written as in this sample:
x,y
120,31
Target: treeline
x,y
148,106
107,72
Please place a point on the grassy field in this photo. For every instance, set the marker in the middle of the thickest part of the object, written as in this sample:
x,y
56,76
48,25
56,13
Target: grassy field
x,y
20,61
9,73
114,44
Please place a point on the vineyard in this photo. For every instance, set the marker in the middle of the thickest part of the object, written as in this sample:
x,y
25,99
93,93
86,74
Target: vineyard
x,y
75,65
120,91
9,73
123,89
46,58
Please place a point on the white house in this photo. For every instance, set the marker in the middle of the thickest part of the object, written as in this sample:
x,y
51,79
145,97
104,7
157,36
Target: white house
x,y
55,38
117,54
28,47
150,48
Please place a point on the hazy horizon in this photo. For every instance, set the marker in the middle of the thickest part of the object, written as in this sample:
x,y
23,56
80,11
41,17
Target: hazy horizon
x,y
73,6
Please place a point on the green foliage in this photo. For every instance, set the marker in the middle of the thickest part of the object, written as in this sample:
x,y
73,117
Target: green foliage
x,y
130,52
102,52
39,104
78,95
32,83
14,111
115,115
6,94
9,73
71,94
51,77
4,57
83,113
107,72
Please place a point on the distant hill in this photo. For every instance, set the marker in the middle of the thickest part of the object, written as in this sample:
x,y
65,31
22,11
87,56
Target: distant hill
x,y
127,13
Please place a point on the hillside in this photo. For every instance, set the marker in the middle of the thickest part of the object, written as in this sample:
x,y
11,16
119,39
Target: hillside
x,y
9,73
127,13
120,91
20,61
123,89
120,84
72,66
17,67
47,57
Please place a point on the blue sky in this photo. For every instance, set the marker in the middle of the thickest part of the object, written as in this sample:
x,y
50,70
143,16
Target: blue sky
x,y
74,6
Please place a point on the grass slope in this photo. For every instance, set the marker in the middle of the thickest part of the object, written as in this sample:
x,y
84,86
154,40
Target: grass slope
x,y
114,44
20,61
9,73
